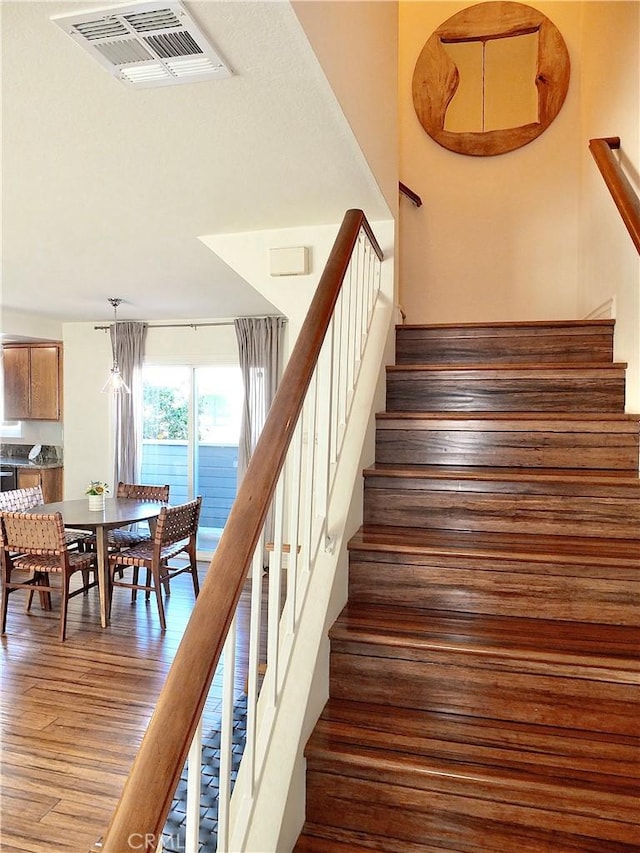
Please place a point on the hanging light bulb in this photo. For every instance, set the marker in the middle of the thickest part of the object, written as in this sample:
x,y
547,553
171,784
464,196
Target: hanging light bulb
x,y
115,382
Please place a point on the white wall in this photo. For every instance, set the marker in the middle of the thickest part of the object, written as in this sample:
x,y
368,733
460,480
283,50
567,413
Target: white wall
x,y
497,237
609,262
88,436
17,325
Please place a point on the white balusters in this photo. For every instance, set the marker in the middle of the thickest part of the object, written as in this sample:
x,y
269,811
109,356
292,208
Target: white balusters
x,y
300,509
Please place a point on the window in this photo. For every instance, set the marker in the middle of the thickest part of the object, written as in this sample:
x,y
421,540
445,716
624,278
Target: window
x,y
191,428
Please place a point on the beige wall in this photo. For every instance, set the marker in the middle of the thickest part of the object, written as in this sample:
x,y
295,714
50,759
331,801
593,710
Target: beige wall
x,y
356,42
609,265
497,237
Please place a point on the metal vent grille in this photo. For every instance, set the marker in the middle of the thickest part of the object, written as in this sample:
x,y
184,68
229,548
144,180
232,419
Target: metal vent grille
x,y
157,19
104,28
174,44
146,44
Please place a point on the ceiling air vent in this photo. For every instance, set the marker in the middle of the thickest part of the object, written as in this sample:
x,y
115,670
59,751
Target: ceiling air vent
x,y
146,44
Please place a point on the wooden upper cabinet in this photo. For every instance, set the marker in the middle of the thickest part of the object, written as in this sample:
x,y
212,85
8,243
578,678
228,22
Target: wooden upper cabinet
x,y
15,363
32,382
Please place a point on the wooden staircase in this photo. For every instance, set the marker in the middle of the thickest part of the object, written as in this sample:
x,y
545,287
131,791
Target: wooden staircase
x,y
484,673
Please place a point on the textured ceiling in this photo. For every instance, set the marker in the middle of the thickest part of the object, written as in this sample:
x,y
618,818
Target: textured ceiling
x,y
105,189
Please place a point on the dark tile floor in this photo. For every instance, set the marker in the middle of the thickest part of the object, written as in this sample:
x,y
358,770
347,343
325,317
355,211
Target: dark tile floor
x,y
173,839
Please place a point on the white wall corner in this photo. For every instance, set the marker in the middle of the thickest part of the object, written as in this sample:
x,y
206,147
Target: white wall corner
x,y
247,253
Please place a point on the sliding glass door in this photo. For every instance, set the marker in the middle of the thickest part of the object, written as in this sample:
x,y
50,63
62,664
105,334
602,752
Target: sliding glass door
x,y
191,428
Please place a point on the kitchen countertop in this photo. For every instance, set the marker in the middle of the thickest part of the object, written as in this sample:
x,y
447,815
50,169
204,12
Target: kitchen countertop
x,y
26,463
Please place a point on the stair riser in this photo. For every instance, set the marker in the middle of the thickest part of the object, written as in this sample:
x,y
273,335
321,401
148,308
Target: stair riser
x,y
502,507
463,781
486,391
499,587
496,345
479,686
321,839
463,823
420,445
429,738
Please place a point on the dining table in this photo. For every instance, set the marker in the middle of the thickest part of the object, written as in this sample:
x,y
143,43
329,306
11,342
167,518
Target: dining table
x,y
117,512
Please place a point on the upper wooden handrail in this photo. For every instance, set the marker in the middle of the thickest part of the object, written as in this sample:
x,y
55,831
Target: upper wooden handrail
x,y
622,192
148,791
409,193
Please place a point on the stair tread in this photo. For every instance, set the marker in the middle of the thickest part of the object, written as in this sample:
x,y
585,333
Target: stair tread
x,y
607,652
597,476
519,367
460,745
498,545
510,325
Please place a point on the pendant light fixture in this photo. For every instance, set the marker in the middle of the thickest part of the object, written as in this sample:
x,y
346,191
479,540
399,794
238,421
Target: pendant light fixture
x,y
115,382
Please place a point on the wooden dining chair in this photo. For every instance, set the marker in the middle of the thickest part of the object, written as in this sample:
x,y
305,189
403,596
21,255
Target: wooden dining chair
x,y
126,537
20,500
175,535
36,544
123,537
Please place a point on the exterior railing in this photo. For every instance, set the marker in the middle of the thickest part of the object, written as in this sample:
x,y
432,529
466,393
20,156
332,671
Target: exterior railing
x,y
215,475
622,192
294,471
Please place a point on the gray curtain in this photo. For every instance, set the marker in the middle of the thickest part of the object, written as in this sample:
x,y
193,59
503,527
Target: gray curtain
x,y
128,347
260,349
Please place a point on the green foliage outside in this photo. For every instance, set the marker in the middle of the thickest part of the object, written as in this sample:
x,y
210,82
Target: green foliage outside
x,y
165,414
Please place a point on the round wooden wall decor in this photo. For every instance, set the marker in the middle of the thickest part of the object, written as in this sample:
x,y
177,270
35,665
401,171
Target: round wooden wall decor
x,y
491,79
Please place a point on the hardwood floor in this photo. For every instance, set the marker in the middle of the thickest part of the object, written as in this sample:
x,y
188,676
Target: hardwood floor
x,y
74,713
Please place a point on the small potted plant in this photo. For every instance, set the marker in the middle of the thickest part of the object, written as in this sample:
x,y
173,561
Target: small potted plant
x,y
97,490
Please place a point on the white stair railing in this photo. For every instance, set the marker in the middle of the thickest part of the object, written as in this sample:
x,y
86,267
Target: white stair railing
x,y
304,468
301,529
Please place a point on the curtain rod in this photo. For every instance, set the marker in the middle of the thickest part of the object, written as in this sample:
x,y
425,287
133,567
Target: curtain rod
x,y
194,326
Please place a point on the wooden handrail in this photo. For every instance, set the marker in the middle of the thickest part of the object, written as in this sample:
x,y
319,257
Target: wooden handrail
x,y
414,198
143,807
623,194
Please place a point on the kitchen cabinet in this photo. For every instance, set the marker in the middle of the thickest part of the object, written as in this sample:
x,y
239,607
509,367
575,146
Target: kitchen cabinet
x,y
32,381
49,479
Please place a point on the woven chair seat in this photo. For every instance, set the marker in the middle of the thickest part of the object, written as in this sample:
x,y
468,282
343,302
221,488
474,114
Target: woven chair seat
x,y
71,537
51,563
126,538
142,554
118,539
